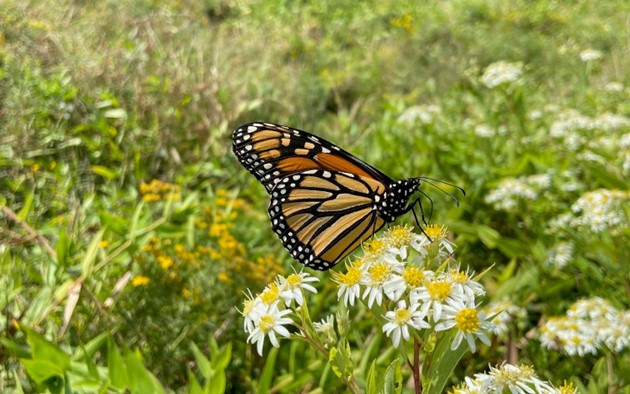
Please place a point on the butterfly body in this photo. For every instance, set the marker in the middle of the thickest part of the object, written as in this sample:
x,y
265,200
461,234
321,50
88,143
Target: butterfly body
x,y
323,200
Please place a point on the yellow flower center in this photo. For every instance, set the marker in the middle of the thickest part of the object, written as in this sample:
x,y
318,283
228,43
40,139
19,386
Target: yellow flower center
x,y
350,278
266,323
398,236
566,388
248,305
467,320
270,294
435,232
374,247
402,316
413,276
439,290
294,280
458,276
380,272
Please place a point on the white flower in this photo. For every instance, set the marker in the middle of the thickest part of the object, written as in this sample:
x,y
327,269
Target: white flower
x,y
423,114
614,87
349,284
270,323
560,255
500,73
589,55
400,319
325,325
411,278
600,210
436,292
515,379
252,309
291,288
469,322
503,313
464,283
484,131
375,277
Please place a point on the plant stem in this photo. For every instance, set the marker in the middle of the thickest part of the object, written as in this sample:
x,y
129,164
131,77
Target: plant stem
x,y
416,366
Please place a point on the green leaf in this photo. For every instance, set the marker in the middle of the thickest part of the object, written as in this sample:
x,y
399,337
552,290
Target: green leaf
x,y
42,349
443,363
26,205
193,384
42,370
268,372
116,367
393,378
489,236
202,362
90,254
16,349
222,360
91,366
92,346
104,172
63,244
371,379
141,381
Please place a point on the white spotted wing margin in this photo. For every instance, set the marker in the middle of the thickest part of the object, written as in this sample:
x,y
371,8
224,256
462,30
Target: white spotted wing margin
x,y
321,216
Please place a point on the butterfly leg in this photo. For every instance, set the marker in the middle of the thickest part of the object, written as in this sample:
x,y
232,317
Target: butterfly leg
x,y
418,223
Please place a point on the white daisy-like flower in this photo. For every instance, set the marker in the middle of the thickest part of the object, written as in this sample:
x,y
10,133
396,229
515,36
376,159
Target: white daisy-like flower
x,y
252,309
502,313
400,319
349,283
464,283
560,255
614,87
484,131
292,287
588,55
375,277
469,322
501,73
519,379
412,277
436,293
268,324
423,114
325,325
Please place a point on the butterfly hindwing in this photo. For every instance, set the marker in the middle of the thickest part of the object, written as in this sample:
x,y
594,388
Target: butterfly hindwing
x,y
321,216
270,152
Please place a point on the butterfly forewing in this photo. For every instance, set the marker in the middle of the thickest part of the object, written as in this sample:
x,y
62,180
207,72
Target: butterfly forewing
x,y
271,152
321,216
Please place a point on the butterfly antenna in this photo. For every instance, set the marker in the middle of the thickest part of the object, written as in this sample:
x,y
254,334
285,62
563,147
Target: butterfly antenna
x,y
427,180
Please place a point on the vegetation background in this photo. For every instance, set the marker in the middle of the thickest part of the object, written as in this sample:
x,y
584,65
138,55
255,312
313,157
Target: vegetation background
x,y
129,232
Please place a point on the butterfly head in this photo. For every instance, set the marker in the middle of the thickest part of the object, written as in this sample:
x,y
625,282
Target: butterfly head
x,y
393,202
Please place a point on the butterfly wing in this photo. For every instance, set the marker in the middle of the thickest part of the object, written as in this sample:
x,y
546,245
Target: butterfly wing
x,y
271,151
321,216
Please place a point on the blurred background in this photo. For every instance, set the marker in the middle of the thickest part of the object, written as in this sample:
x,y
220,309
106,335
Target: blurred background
x,y
129,231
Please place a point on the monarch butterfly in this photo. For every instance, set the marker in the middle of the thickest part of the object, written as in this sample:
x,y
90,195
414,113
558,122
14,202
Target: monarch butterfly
x,y
324,201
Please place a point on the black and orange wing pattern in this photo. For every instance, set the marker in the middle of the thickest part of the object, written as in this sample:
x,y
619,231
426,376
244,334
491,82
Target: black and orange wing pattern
x,y
321,216
271,151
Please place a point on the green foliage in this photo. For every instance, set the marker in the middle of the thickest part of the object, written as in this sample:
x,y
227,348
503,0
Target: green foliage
x,y
99,99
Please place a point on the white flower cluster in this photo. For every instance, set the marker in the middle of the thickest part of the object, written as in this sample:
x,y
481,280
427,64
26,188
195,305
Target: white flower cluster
x,y
501,73
588,326
588,55
576,129
600,210
506,195
422,114
504,312
401,269
560,255
515,379
266,314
